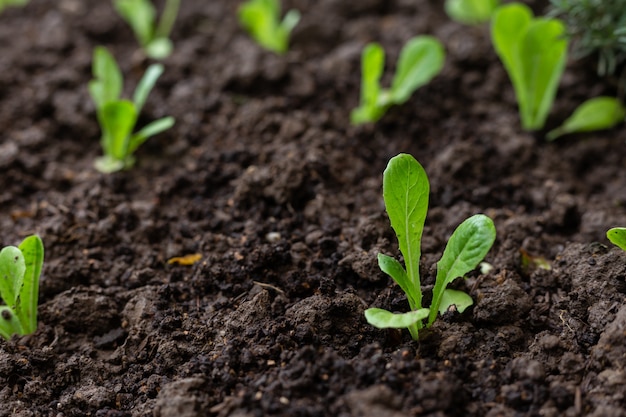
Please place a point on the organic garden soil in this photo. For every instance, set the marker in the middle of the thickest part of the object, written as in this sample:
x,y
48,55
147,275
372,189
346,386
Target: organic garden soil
x,y
264,177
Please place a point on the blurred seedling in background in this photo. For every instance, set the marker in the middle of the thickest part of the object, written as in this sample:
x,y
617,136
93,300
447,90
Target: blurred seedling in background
x,y
7,3
471,12
117,117
261,18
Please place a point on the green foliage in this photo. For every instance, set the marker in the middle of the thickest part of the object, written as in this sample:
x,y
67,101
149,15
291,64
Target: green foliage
x,y
141,17
595,27
20,268
420,60
594,114
617,236
118,117
405,191
471,12
261,18
7,3
534,53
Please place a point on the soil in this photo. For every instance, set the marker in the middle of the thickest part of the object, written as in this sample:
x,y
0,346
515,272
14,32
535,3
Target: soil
x,y
263,176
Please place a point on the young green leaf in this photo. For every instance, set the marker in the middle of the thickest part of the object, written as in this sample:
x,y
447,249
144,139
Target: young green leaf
x,y
261,18
617,236
458,299
33,252
146,84
471,12
12,268
534,53
384,319
9,323
467,246
107,83
420,60
594,114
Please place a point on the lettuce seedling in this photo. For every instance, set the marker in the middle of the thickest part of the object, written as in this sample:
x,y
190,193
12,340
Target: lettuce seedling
x,y
420,60
594,114
471,12
617,236
20,268
261,18
118,117
141,17
7,3
405,191
534,52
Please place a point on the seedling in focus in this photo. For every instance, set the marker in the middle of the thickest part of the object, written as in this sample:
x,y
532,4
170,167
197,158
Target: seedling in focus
x,y
405,191
20,268
141,17
594,114
617,236
118,117
534,53
421,59
261,18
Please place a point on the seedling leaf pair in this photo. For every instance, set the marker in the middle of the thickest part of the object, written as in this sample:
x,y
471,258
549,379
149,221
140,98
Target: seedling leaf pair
x,y
594,114
20,268
141,16
261,18
420,60
534,53
118,117
471,12
405,191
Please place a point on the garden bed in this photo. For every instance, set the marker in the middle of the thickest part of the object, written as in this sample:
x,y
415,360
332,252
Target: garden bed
x,y
264,177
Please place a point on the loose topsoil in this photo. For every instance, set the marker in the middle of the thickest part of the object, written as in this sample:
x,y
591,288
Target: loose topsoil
x,y
264,177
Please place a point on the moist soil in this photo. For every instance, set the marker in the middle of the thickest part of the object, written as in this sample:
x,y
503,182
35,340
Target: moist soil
x,y
263,176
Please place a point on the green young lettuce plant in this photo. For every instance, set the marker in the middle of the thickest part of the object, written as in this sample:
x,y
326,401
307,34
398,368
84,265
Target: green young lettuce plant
x,y
471,12
20,268
594,114
534,53
141,17
617,236
117,117
420,60
7,3
261,18
405,191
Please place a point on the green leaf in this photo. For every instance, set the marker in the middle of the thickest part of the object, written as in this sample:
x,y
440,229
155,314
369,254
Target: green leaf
x,y
534,53
471,12
459,299
140,16
467,246
159,48
117,119
168,17
617,236
9,323
149,130
12,269
384,319
146,84
107,83
594,114
395,270
420,60
33,252
372,66
405,191
261,18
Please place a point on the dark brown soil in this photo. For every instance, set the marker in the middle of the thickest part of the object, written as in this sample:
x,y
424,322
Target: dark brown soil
x,y
265,178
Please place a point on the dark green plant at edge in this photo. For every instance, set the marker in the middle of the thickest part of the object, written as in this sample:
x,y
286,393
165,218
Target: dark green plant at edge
x,y
405,191
20,268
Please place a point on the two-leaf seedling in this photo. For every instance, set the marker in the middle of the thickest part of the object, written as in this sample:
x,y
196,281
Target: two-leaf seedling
x,y
405,191
20,268
471,12
534,53
117,117
420,60
261,18
141,17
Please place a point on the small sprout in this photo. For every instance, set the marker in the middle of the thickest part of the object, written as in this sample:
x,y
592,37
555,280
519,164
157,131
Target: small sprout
x,y
118,117
7,3
534,52
405,191
421,59
20,268
595,27
471,12
141,17
617,236
594,114
261,18
186,260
